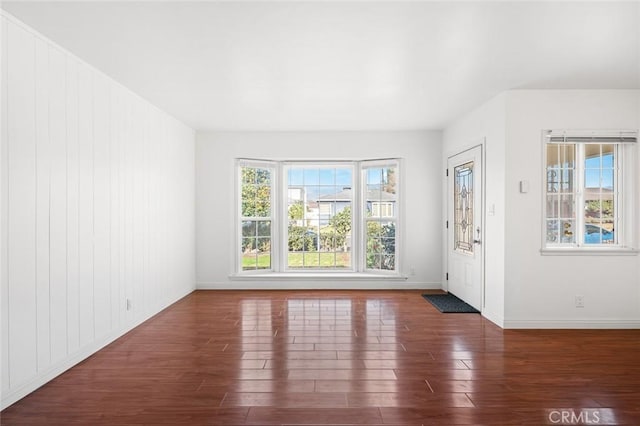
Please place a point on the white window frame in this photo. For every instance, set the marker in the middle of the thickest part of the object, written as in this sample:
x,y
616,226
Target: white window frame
x,y
284,214
372,164
279,218
258,164
624,187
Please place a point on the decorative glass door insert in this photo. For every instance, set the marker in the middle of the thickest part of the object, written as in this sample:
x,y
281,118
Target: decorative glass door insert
x,y
463,208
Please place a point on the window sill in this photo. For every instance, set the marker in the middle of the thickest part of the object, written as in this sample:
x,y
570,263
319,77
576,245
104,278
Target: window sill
x,y
316,276
589,251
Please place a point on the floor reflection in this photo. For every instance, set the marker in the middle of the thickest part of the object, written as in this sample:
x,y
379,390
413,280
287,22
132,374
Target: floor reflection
x,y
338,357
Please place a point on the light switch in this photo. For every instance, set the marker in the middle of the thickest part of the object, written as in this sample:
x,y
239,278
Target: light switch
x,y
524,186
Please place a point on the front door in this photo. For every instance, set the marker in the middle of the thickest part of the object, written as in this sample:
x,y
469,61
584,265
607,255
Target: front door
x,y
465,226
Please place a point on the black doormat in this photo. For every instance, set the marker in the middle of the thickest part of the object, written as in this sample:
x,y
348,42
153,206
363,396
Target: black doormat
x,y
448,303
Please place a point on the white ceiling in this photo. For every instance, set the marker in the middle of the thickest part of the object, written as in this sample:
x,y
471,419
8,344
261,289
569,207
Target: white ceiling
x,y
271,65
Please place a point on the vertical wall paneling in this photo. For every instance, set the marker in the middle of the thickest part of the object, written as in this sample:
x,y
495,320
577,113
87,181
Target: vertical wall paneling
x,y
156,132
58,205
4,181
163,180
123,116
158,185
43,177
128,211
88,175
139,111
149,119
115,115
73,308
21,232
172,182
101,206
85,200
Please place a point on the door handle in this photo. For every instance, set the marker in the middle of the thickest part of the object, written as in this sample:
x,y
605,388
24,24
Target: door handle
x,y
477,240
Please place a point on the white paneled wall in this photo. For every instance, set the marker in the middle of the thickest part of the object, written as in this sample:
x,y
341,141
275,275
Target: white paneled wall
x,y
97,209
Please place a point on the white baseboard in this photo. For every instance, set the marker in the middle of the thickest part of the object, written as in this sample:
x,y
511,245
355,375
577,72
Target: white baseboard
x,y
494,318
573,324
311,284
43,377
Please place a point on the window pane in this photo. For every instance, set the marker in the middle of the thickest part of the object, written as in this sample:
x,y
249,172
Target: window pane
x,y
256,252
249,228
608,155
560,180
319,232
344,177
567,231
311,260
388,262
255,193
381,192
327,176
599,194
381,245
263,253
561,156
560,168
553,206
249,262
295,176
311,176
374,176
263,199
256,261
374,261
264,228
263,176
553,231
248,245
567,206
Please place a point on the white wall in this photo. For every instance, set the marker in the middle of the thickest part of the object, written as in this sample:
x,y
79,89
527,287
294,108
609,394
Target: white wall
x,y
421,152
97,208
485,125
540,290
523,287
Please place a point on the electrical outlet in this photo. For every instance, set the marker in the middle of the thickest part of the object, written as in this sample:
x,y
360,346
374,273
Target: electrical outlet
x,y
412,272
579,301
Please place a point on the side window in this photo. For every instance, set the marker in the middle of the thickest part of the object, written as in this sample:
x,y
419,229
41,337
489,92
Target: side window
x,y
587,187
380,215
256,216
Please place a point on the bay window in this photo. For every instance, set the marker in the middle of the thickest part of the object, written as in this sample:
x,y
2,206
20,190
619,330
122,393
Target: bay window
x,y
320,216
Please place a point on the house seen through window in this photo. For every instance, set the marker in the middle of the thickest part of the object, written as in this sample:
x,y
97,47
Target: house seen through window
x,y
330,216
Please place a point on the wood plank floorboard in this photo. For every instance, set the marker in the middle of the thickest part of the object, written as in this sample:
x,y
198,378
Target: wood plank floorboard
x,y
339,358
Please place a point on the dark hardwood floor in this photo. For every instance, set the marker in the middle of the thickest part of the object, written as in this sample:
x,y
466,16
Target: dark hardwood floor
x,y
341,357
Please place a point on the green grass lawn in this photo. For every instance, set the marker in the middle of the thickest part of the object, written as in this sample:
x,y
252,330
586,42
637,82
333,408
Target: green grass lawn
x,y
300,260
249,261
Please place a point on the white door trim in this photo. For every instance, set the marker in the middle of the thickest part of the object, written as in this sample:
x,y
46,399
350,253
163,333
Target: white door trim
x,y
478,144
